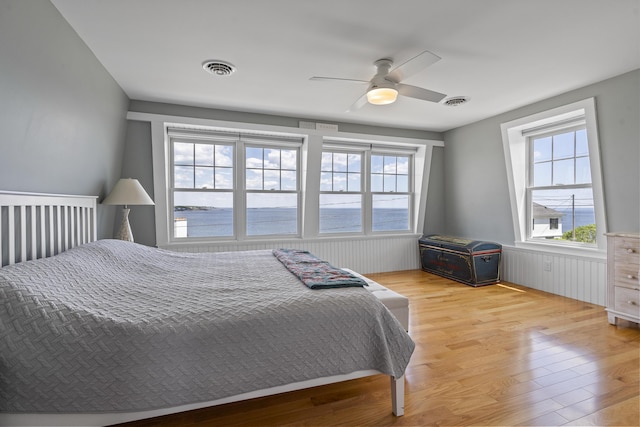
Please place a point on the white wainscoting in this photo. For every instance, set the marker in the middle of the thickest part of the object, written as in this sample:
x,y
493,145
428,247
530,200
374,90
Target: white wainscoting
x,y
364,255
579,277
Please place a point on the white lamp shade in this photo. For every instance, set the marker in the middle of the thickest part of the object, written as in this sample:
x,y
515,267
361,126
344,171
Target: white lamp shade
x,y
128,191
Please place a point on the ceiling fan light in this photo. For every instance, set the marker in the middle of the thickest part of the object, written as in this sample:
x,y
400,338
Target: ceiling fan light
x,y
382,95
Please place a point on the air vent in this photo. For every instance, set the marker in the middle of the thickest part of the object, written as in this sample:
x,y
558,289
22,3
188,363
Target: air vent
x,y
454,101
219,68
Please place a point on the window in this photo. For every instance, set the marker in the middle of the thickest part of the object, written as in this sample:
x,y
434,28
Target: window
x,y
344,191
272,190
553,172
341,192
560,186
211,200
230,184
203,189
391,200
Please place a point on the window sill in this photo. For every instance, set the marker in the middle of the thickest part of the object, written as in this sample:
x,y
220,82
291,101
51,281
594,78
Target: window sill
x,y
567,250
282,240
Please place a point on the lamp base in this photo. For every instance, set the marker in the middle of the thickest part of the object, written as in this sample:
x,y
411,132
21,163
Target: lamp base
x,y
125,228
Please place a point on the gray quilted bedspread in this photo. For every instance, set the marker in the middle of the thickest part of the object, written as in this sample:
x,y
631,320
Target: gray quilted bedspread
x,y
116,326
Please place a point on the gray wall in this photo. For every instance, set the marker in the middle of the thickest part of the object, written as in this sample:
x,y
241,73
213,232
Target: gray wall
x,y
138,162
476,199
63,117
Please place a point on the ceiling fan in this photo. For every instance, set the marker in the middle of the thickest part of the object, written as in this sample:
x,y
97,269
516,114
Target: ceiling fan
x,y
386,85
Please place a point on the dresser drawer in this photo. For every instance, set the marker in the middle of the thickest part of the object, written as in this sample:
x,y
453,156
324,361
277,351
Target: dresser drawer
x,y
627,276
627,301
627,250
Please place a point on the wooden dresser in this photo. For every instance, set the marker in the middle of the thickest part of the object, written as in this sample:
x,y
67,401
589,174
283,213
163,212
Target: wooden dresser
x,y
623,282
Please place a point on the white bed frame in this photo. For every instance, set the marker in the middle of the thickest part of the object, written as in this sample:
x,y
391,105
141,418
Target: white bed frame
x,y
36,225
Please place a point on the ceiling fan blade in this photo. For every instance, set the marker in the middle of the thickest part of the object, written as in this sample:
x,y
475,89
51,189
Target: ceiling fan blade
x,y
419,93
325,79
358,104
412,66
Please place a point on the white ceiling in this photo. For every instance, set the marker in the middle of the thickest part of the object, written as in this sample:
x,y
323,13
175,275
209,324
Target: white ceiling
x,y
502,54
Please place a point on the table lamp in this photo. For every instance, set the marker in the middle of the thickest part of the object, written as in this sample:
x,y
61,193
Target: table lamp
x,y
127,191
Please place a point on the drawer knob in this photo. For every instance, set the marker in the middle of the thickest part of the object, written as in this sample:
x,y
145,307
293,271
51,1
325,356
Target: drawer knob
x,y
631,276
632,302
630,250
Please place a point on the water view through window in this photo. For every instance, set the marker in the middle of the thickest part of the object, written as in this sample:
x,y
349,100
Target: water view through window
x,y
202,221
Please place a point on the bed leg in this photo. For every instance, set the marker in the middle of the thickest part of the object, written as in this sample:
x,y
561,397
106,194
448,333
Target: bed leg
x,y
397,396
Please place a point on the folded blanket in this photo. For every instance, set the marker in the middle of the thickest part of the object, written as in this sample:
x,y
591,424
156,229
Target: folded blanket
x,y
314,272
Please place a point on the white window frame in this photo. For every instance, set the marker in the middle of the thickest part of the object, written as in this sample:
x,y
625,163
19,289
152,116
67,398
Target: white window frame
x,y
515,146
368,149
199,139
279,145
311,150
239,140
571,126
346,149
381,151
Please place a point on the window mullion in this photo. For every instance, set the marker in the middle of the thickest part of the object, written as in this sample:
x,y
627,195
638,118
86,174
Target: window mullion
x,y
367,204
239,195
575,165
194,164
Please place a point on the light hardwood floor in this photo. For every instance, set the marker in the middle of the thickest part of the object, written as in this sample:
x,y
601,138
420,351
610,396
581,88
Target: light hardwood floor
x,y
494,355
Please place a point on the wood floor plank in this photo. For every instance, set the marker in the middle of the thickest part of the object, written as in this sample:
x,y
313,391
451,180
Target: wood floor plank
x,y
626,412
493,355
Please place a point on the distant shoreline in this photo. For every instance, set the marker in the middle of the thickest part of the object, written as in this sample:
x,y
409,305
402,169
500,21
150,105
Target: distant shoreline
x,y
193,208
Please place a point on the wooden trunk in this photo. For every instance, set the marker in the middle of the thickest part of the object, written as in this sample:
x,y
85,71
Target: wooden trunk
x,y
472,262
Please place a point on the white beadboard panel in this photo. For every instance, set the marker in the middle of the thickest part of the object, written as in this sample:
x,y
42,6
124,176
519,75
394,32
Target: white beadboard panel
x,y
579,277
364,255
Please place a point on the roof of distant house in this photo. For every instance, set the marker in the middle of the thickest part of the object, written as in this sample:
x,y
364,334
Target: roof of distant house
x,y
540,211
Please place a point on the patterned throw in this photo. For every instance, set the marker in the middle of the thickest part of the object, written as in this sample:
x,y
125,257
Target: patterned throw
x,y
314,272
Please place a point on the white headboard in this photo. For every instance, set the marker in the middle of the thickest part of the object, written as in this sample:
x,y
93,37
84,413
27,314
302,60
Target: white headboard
x,y
36,225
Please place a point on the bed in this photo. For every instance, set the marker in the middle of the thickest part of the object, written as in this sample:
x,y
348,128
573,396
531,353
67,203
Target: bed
x,y
97,332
